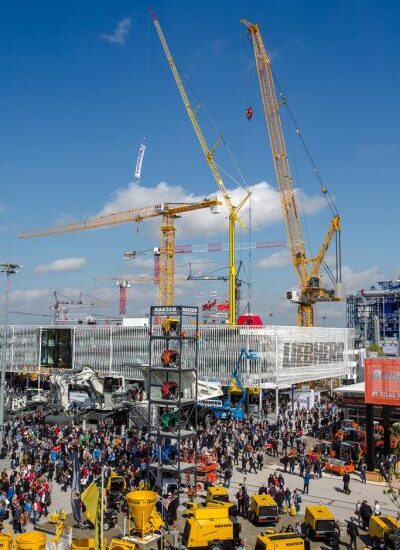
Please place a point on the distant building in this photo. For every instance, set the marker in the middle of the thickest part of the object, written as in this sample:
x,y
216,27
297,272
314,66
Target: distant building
x,y
374,314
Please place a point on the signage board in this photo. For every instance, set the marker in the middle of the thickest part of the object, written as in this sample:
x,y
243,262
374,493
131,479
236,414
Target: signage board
x,y
382,381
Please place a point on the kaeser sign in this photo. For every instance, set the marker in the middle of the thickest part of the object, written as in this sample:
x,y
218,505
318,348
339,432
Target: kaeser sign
x,y
382,381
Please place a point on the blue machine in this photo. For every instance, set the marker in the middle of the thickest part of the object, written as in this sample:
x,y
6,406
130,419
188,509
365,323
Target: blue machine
x,y
225,408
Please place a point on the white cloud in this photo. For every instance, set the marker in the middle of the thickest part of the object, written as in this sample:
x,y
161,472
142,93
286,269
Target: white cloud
x,y
355,280
265,206
120,34
275,260
63,264
29,295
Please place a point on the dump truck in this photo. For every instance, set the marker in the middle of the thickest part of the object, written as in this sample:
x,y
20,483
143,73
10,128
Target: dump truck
x,y
263,509
319,522
381,530
211,528
282,541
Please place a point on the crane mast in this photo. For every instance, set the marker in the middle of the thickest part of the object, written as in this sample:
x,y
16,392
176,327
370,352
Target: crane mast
x,y
308,269
209,156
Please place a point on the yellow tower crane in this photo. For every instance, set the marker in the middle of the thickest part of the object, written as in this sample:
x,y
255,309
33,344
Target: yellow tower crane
x,y
308,269
209,155
168,211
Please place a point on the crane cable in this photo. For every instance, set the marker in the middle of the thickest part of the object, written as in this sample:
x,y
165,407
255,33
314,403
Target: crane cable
x,y
324,189
200,103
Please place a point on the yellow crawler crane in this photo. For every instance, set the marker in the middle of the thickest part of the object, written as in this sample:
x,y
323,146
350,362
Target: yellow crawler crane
x,y
308,269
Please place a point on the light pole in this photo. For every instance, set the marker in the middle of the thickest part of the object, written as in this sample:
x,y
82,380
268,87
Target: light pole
x,y
8,269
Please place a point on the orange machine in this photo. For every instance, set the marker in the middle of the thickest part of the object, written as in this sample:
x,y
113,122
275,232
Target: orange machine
x,y
340,467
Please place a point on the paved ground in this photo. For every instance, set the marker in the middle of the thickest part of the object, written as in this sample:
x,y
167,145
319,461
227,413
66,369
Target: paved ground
x,y
327,490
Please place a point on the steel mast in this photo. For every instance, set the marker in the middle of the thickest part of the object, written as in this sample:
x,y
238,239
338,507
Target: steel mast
x,y
209,155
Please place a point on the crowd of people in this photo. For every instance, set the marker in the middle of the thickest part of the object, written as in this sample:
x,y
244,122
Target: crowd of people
x,y
40,456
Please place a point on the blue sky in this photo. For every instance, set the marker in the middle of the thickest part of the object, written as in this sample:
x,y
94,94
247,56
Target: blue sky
x,y
83,83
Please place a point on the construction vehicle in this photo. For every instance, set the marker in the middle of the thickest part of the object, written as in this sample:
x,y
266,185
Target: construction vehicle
x,y
307,268
263,509
381,530
223,408
209,156
319,522
282,541
143,518
211,528
217,493
87,390
206,470
168,211
217,496
115,490
337,466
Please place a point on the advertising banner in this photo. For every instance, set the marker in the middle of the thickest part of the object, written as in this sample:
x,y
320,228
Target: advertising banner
x,y
382,381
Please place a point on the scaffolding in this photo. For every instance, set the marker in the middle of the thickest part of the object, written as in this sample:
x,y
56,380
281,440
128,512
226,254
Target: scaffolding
x,y
172,393
374,314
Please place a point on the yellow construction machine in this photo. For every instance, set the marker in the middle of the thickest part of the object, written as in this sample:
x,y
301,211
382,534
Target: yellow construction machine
x,y
263,509
282,541
217,497
217,493
211,528
381,529
142,515
319,522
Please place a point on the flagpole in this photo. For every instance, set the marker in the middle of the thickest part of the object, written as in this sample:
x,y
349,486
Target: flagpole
x,y
102,510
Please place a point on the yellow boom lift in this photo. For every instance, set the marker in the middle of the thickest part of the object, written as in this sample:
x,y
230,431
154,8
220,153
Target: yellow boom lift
x,y
168,211
209,156
308,269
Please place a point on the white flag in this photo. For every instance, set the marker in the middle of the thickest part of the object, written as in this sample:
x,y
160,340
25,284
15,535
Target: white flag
x,y
139,161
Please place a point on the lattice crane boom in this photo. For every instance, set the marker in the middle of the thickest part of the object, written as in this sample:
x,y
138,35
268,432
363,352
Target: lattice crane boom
x,y
168,212
209,156
308,269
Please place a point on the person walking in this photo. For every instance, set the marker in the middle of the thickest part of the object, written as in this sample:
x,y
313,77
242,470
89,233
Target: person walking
x,y
307,477
365,513
246,504
227,477
346,483
260,460
244,463
240,499
252,464
352,531
363,473
377,509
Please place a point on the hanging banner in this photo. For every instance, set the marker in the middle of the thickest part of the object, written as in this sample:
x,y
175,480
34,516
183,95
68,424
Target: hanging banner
x,y
139,161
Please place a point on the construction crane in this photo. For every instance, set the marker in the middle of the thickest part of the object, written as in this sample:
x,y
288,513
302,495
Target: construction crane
x,y
213,276
61,305
198,248
124,283
168,211
209,156
308,269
